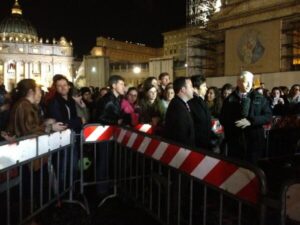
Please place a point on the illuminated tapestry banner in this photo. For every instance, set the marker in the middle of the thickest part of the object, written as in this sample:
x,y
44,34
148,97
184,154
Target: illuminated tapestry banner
x,y
255,48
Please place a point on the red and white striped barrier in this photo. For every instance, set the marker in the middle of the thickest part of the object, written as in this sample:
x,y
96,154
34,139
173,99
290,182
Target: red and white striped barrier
x,y
93,133
229,177
236,180
216,126
146,128
96,132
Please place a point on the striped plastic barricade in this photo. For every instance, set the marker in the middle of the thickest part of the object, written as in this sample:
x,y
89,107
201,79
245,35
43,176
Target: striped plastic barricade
x,y
178,184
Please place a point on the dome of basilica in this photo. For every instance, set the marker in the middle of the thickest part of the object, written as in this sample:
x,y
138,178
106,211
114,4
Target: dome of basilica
x,y
16,28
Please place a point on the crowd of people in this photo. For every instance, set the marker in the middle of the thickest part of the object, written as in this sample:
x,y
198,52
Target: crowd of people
x,y
180,111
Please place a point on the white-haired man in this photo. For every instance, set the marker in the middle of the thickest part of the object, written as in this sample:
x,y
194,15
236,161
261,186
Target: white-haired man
x,y
243,115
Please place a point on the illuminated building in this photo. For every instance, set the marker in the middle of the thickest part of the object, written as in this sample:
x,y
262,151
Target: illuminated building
x,y
25,55
259,36
110,56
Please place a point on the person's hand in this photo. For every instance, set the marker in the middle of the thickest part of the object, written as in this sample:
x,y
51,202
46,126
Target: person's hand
x,y
243,123
59,126
7,137
155,121
280,101
49,121
4,107
79,101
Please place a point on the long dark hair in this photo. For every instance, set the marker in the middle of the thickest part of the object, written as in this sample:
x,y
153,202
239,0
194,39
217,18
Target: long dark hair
x,y
22,89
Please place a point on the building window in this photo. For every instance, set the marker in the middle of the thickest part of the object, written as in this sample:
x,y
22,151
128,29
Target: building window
x,y
36,68
296,47
35,51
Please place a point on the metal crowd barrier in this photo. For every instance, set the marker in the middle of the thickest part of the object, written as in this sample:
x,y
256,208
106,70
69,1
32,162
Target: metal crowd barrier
x,y
290,203
176,184
283,136
35,172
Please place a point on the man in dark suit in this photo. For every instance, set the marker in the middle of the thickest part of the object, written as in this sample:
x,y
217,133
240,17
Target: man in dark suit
x,y
179,124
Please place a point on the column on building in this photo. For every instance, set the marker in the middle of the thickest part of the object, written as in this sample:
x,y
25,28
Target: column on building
x,y
26,70
20,67
1,72
16,78
5,79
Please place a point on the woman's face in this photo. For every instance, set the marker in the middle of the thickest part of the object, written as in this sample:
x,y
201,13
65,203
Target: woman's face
x,y
87,96
154,83
276,93
296,91
132,96
37,95
211,95
170,94
152,94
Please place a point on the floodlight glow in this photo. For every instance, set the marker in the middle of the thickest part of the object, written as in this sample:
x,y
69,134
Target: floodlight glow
x,y
137,69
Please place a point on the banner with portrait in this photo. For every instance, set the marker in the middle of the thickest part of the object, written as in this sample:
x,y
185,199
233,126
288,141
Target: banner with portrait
x,y
255,48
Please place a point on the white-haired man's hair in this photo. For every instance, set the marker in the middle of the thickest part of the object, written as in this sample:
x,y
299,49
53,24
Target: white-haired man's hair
x,y
246,74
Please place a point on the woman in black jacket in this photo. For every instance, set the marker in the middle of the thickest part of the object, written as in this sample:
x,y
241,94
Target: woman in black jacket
x,y
200,113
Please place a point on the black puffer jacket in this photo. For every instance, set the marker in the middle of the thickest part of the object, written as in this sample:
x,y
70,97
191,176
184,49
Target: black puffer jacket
x,y
248,143
202,122
108,110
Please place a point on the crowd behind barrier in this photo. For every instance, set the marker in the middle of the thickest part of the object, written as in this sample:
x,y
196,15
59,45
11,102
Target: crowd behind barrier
x,y
130,158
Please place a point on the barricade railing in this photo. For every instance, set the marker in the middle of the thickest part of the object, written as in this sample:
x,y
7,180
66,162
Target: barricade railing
x,y
174,183
290,203
35,172
282,135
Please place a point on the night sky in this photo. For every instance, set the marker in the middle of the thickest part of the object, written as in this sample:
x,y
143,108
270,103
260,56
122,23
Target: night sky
x,y
82,21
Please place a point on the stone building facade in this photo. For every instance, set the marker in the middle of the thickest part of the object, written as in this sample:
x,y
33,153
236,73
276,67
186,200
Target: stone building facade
x,y
260,36
110,56
25,55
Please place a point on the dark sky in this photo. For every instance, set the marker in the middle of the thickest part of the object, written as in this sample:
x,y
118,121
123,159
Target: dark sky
x,y
82,21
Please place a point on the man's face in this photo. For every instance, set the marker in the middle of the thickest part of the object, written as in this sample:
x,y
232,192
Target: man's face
x,y
245,84
165,80
119,87
226,93
203,89
189,89
62,87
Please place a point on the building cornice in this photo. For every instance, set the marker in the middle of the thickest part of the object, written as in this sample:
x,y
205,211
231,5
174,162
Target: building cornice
x,y
252,12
